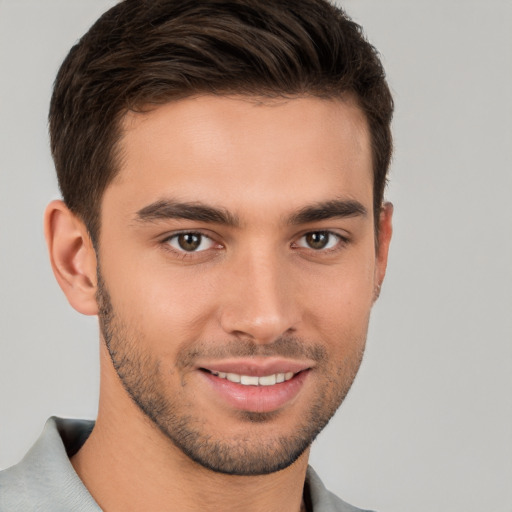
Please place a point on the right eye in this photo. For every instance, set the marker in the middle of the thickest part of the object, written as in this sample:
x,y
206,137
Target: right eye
x,y
190,242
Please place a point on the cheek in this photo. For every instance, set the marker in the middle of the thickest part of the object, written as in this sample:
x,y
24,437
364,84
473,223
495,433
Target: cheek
x,y
338,303
164,303
345,291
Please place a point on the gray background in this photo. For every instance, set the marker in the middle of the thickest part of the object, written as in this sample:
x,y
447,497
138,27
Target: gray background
x,y
428,424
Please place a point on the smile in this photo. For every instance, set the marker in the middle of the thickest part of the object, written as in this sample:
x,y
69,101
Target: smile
x,y
254,388
252,380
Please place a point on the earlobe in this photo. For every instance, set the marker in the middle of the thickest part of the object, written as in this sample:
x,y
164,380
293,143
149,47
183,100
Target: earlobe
x,y
72,257
384,239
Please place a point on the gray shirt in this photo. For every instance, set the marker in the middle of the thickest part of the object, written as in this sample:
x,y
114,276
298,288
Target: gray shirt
x,y
45,481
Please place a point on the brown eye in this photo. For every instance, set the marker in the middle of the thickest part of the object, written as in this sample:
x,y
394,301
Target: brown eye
x,y
190,242
319,240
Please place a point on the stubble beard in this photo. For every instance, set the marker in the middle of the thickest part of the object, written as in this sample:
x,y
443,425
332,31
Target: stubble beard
x,y
141,376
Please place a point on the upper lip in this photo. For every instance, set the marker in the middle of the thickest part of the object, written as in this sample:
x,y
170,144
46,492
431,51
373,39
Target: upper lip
x,y
255,366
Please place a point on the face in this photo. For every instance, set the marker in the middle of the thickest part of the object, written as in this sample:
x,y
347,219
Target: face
x,y
237,272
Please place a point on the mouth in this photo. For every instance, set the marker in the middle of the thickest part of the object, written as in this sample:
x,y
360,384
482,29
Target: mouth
x,y
256,388
253,380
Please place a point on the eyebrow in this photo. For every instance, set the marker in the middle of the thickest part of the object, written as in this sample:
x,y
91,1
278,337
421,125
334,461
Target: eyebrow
x,y
170,209
337,208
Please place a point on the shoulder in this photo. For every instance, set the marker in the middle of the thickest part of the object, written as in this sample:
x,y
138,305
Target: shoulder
x,y
13,489
323,500
44,480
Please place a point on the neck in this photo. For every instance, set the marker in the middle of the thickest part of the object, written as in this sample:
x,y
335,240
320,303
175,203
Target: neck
x,y
129,464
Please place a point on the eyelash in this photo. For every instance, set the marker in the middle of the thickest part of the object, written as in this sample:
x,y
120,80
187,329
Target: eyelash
x,y
184,253
340,242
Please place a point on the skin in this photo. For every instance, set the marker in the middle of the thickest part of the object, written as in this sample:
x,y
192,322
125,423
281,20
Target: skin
x,y
257,290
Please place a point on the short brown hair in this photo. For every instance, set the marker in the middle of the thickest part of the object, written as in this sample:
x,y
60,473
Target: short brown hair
x,y
148,52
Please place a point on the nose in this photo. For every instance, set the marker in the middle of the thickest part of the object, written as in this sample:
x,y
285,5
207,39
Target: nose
x,y
260,303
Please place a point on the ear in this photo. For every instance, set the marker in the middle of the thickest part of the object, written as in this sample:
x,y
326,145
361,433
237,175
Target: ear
x,y
72,257
384,239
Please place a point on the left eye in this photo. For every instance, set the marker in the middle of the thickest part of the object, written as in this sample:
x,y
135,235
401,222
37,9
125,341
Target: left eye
x,y
319,240
190,242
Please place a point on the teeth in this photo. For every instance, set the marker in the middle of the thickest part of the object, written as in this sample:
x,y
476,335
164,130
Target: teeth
x,y
268,380
251,380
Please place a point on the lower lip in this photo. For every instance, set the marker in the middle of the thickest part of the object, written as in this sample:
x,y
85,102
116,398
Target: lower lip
x,y
257,398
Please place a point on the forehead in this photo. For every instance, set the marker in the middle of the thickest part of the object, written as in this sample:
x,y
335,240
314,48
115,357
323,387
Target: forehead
x,y
239,152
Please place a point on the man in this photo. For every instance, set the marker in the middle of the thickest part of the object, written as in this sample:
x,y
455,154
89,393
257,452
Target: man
x,y
222,166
